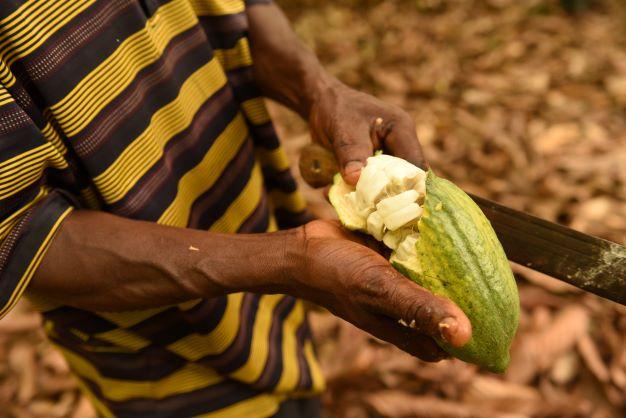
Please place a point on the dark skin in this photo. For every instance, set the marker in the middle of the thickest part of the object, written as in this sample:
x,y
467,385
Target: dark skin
x,y
340,118
102,262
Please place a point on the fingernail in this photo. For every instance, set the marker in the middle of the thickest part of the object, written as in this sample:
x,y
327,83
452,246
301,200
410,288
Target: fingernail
x,y
447,327
353,167
352,172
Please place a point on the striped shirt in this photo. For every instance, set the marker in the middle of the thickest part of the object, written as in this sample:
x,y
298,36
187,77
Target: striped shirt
x,y
148,109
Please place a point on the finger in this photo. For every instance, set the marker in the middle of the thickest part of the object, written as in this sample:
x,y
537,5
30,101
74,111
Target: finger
x,y
378,132
352,152
405,338
326,191
400,139
394,296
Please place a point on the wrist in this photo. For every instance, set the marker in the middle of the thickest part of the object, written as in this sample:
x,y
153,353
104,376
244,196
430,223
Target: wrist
x,y
260,263
317,85
294,260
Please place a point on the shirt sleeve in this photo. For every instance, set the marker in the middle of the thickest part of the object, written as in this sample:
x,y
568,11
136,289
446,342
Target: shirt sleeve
x,y
31,211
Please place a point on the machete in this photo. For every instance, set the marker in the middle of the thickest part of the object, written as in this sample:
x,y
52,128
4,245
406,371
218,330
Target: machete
x,y
587,262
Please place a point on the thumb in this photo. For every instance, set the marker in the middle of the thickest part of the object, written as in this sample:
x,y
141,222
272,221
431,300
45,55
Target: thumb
x,y
352,152
430,314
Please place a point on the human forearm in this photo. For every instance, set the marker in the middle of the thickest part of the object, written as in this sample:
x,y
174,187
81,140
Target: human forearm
x,y
285,68
351,123
102,262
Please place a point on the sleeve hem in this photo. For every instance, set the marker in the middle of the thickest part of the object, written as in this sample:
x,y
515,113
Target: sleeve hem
x,y
30,249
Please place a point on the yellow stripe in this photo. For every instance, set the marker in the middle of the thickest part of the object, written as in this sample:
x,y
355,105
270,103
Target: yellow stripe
x,y
114,74
273,225
257,360
256,111
294,202
168,121
319,385
34,263
24,172
34,28
6,77
6,100
17,161
55,139
189,378
243,206
128,319
235,57
276,158
19,21
9,224
14,167
129,340
101,410
291,370
202,177
21,180
217,8
195,346
260,406
32,167
124,339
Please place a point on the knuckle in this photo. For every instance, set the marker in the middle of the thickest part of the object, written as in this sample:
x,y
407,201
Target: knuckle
x,y
374,282
406,120
422,313
342,143
371,282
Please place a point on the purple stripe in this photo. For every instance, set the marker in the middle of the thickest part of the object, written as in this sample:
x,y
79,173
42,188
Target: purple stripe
x,y
273,366
282,180
203,210
258,221
264,135
150,363
173,324
239,350
302,334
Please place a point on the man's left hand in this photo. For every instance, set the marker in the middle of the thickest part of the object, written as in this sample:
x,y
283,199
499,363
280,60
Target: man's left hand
x,y
355,124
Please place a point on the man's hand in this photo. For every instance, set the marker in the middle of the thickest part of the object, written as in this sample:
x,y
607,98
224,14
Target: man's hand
x,y
351,123
338,271
355,124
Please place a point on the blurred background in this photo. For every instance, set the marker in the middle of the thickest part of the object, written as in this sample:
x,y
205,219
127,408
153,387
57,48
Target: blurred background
x,y
523,102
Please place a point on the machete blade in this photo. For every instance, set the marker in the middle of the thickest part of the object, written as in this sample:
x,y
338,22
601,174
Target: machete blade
x,y
587,262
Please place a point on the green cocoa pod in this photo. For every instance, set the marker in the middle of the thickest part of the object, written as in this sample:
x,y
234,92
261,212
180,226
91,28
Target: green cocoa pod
x,y
441,240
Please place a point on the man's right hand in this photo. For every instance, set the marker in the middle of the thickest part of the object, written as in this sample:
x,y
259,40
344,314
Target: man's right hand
x,y
103,262
338,271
